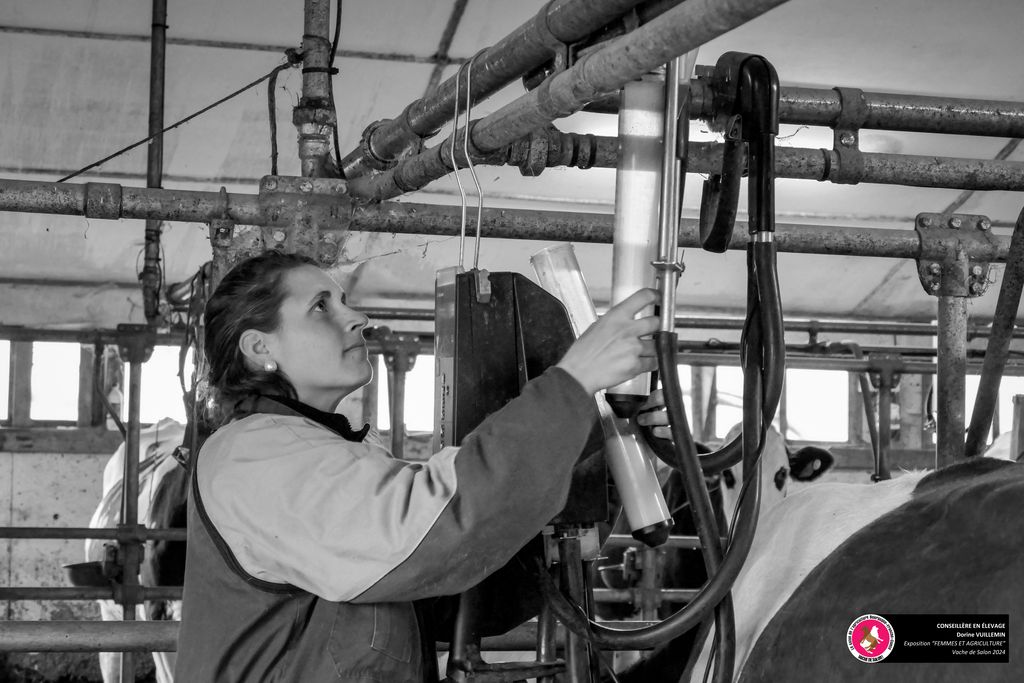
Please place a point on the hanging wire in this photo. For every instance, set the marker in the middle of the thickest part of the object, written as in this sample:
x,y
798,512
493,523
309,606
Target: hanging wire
x,y
178,123
455,168
469,161
330,82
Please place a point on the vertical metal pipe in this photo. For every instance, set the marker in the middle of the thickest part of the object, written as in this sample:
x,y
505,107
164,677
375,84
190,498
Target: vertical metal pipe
x,y
577,657
699,402
650,598
884,425
309,116
951,382
155,160
546,639
396,374
1017,435
998,347
668,225
130,508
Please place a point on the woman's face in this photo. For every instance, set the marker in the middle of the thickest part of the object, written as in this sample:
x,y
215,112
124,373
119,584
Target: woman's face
x,y
319,344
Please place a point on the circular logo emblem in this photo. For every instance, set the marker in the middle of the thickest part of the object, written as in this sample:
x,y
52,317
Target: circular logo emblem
x,y
870,638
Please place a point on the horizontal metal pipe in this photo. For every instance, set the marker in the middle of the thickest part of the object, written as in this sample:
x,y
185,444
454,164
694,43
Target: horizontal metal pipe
x,y
677,31
88,636
83,593
626,541
880,111
975,330
978,329
75,533
802,163
422,219
888,111
105,336
630,594
523,49
162,636
590,227
843,364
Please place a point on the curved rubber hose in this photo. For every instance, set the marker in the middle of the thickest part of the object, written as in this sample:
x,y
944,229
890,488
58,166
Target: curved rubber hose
x,y
720,199
709,596
697,493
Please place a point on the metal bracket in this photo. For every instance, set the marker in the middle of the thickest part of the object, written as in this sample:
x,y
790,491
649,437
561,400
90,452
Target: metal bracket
x,y
399,350
887,365
305,215
483,286
846,137
135,342
958,274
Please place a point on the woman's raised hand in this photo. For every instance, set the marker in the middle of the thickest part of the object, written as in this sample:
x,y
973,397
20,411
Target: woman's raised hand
x,y
611,350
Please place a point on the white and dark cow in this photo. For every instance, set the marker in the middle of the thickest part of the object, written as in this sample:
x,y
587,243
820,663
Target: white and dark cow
x,y
953,545
950,541
156,446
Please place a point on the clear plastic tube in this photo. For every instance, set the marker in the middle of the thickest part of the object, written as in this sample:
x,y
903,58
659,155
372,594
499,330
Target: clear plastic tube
x,y
628,455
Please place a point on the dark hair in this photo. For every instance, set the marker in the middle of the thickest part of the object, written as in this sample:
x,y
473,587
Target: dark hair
x,y
248,298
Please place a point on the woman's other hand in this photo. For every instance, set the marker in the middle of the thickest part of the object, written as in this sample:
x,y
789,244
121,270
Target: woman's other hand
x,y
611,350
654,416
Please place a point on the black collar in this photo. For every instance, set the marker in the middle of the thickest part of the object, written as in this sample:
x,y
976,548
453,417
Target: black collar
x,y
282,405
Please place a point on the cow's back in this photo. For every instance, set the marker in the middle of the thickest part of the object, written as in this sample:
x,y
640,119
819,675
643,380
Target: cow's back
x,y
954,548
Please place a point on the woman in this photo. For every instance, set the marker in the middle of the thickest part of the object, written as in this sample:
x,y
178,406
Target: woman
x,y
308,542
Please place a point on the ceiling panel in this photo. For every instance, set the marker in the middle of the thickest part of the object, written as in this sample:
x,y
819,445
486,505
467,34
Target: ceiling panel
x,y
69,99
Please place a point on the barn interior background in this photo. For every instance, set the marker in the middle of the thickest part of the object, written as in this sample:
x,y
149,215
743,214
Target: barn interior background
x,y
76,88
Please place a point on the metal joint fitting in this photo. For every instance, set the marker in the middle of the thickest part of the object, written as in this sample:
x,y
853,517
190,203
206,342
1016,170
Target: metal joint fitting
x,y
135,345
955,252
849,169
103,200
366,144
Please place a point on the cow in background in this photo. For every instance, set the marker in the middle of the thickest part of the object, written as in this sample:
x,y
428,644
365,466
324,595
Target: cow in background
x,y
157,466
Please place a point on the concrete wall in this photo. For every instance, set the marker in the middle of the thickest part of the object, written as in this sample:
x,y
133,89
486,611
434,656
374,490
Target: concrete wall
x,y
53,490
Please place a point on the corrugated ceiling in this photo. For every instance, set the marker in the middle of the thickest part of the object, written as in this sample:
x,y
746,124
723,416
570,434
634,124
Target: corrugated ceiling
x,y
74,82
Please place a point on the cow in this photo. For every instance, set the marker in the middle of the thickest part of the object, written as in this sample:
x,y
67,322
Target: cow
x,y
157,465
955,545
898,546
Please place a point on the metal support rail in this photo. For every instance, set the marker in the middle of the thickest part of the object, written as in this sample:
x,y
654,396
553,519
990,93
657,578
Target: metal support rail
x,y
978,329
554,148
528,46
872,110
138,594
162,636
677,31
76,533
110,201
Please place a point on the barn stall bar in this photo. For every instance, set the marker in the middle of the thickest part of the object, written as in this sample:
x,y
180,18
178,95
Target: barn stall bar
x,y
105,201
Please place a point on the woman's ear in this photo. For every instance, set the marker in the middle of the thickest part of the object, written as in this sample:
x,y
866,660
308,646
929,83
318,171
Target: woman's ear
x,y
253,345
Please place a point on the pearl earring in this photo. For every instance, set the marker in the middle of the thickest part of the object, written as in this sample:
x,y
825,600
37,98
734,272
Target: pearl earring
x,y
270,366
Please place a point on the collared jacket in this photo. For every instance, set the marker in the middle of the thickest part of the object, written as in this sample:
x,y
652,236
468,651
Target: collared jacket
x,y
307,549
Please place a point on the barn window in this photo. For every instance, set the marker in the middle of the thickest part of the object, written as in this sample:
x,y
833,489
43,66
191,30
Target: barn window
x,y
817,405
1009,386
161,391
729,400
5,379
419,395
55,380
